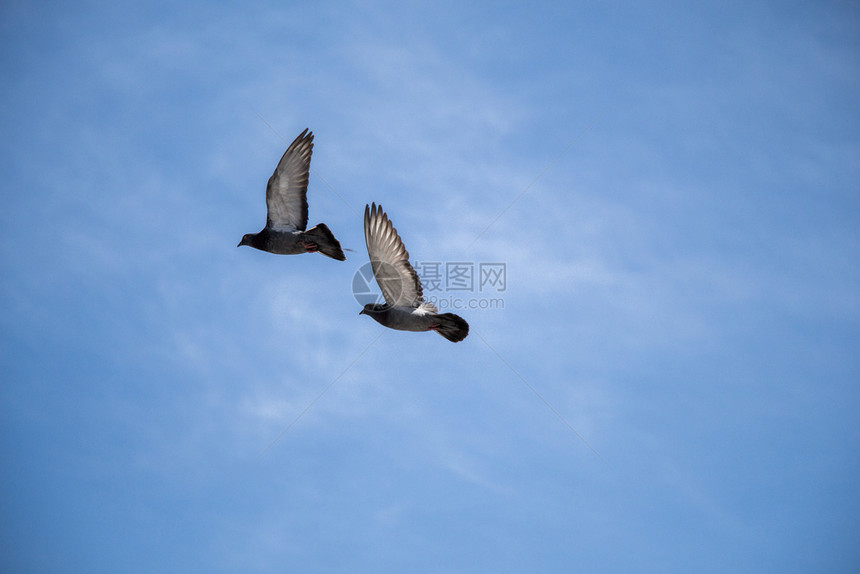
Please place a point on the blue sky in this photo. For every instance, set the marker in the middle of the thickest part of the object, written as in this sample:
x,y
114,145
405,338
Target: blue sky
x,y
673,189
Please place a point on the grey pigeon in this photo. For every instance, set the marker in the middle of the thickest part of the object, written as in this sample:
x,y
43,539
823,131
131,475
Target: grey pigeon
x,y
287,208
404,308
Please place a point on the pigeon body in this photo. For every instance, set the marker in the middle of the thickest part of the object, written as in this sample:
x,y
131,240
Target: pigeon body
x,y
287,209
404,308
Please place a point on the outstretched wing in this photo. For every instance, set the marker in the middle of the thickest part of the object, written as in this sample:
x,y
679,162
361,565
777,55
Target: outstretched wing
x,y
286,194
397,279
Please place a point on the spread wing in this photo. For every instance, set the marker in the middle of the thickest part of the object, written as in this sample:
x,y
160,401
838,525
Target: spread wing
x,y
286,194
397,279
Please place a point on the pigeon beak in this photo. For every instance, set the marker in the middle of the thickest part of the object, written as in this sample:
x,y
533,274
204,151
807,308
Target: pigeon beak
x,y
361,312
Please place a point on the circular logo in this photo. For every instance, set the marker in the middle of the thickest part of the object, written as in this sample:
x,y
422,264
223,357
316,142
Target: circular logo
x,y
362,283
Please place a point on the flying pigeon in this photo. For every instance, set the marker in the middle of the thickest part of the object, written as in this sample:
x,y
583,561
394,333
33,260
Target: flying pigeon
x,y
287,208
404,308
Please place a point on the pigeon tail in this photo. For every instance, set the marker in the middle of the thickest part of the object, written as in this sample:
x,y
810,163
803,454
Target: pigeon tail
x,y
452,327
326,243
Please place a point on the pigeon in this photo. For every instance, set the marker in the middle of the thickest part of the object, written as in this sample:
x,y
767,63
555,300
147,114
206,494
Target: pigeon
x,y
405,308
287,209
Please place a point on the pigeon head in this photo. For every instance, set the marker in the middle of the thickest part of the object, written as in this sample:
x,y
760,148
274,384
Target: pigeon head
x,y
249,239
374,308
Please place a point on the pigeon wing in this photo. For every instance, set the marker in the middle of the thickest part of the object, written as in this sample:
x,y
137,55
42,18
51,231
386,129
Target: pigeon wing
x,y
397,279
286,194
